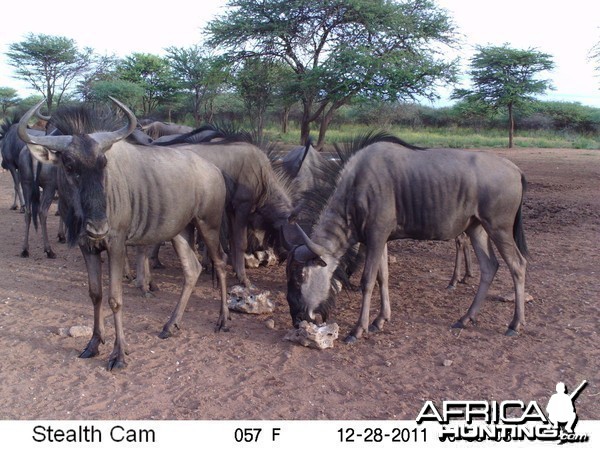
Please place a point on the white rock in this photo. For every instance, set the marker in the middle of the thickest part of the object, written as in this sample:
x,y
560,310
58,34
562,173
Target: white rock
x,y
313,335
80,331
249,300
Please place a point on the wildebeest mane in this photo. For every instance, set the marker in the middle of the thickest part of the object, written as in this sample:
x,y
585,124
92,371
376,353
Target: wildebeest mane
x,y
84,119
348,149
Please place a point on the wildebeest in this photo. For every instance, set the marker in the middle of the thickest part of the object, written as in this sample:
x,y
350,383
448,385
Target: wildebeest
x,y
158,129
114,194
257,194
11,146
313,176
388,191
33,176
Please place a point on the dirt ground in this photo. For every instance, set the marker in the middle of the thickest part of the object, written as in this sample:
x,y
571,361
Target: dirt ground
x,y
252,373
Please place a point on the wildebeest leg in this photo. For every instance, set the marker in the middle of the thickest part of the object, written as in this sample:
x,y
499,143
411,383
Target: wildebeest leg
x,y
462,254
488,265
210,236
61,226
116,263
93,265
183,245
517,265
240,243
154,261
25,249
18,194
385,313
46,201
375,250
143,276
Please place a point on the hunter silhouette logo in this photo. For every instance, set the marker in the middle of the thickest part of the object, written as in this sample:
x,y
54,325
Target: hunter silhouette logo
x,y
509,420
561,407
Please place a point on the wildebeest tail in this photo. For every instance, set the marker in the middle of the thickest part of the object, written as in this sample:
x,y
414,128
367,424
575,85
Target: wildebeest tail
x,y
518,232
35,194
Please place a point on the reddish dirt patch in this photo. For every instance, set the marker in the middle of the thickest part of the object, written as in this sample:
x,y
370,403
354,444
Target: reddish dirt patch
x,y
252,373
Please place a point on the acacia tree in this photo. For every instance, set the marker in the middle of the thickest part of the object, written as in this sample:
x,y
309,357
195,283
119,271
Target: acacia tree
x,y
338,49
153,74
200,73
505,78
8,97
49,64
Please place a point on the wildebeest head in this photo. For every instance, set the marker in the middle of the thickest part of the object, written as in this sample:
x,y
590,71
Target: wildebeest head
x,y
82,160
310,286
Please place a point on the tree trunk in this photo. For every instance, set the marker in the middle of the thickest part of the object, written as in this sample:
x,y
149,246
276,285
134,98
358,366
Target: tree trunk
x,y
285,119
305,124
511,125
327,118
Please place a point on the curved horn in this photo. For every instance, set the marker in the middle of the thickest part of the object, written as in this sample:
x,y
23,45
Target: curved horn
x,y
317,249
107,138
39,115
54,143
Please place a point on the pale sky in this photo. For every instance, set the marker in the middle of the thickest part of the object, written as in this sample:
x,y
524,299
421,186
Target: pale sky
x,y
565,30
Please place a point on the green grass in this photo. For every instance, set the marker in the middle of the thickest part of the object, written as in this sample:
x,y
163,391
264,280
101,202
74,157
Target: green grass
x,y
452,137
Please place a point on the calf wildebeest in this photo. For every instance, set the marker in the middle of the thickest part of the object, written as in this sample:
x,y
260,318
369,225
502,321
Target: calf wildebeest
x,y
257,193
114,194
313,179
388,191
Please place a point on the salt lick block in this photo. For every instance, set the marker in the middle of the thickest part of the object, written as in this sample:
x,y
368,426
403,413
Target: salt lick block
x,y
313,335
249,300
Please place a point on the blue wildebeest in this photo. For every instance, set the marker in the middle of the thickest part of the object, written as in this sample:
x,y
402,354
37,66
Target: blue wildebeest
x,y
313,179
11,146
158,129
114,194
388,191
257,194
33,176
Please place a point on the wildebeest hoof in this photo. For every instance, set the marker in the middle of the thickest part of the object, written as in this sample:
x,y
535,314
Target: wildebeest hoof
x,y
13,207
116,364
165,334
156,264
87,353
61,239
373,328
511,332
50,254
147,294
451,286
350,339
25,254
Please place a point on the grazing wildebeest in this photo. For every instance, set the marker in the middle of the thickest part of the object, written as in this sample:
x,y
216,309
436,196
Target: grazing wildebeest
x,y
114,194
34,176
388,191
313,178
257,193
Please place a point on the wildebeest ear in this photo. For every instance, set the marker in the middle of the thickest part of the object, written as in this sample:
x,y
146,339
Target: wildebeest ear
x,y
42,154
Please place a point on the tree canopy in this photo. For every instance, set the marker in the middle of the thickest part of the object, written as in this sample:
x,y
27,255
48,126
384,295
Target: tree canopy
x,y
49,64
505,77
339,49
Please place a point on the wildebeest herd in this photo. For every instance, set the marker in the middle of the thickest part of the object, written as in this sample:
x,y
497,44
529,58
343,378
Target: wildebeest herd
x,y
119,187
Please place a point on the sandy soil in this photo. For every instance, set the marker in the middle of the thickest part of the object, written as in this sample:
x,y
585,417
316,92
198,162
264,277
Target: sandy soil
x,y
252,373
